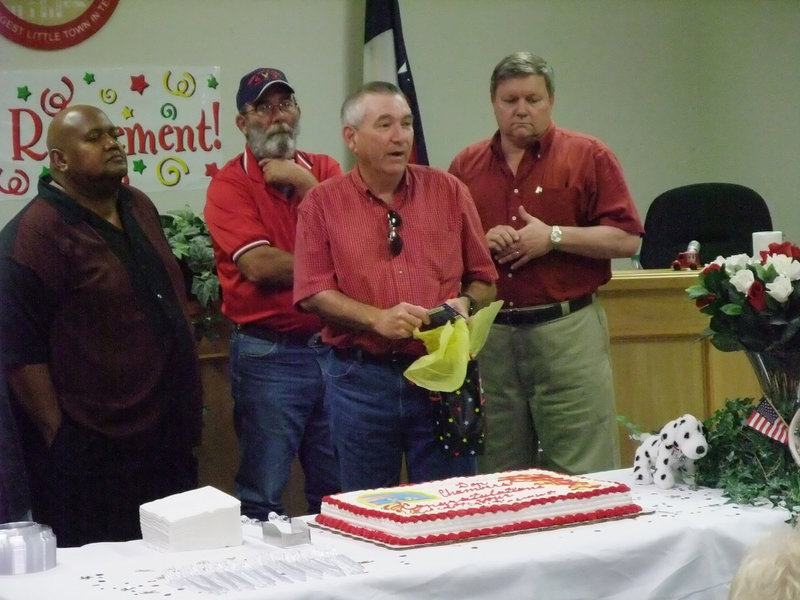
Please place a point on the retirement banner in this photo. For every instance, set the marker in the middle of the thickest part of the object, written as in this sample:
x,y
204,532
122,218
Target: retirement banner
x,y
168,117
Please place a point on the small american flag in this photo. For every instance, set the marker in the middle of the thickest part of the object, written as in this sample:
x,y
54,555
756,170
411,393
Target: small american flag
x,y
765,419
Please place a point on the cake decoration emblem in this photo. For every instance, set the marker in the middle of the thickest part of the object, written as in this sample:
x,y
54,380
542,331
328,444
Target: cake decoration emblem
x,y
386,499
549,479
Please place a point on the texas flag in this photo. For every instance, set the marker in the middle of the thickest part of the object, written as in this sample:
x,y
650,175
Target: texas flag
x,y
385,59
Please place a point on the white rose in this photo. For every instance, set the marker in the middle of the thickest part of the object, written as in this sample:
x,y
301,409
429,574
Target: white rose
x,y
780,288
784,265
793,271
734,264
742,280
720,260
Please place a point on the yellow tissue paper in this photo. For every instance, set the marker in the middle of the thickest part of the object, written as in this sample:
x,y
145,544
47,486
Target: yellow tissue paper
x,y
450,348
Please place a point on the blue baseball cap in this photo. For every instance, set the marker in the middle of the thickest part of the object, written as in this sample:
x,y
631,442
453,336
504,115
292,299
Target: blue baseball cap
x,y
256,83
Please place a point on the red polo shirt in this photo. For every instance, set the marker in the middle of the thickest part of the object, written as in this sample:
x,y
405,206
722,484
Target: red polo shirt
x,y
566,178
342,245
242,212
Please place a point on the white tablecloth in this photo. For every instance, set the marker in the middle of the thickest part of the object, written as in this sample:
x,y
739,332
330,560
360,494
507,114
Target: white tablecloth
x,y
687,548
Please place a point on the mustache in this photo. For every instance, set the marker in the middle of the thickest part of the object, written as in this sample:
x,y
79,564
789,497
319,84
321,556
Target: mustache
x,y
277,140
278,129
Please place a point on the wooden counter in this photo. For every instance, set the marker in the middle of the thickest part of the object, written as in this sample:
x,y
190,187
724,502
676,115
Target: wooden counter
x,y
661,369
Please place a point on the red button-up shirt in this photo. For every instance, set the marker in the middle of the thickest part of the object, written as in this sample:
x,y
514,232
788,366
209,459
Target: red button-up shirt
x,y
566,178
342,245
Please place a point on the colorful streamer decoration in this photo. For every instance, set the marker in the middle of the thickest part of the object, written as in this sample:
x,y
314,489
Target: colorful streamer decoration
x,y
169,111
18,185
184,88
173,171
108,96
53,102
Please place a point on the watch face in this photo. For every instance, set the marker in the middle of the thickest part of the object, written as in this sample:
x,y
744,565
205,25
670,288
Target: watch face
x,y
555,235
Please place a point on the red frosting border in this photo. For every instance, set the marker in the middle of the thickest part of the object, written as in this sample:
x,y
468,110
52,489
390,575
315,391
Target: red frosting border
x,y
385,538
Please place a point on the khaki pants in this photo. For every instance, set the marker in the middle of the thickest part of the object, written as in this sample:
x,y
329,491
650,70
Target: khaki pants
x,y
550,384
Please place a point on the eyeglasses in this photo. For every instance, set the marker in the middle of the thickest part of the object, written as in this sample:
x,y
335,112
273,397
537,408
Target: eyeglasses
x,y
267,110
395,241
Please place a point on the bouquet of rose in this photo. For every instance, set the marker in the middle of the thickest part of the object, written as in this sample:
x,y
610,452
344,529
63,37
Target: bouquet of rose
x,y
754,303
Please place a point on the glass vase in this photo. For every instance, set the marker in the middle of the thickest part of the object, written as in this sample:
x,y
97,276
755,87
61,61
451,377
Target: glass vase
x,y
778,374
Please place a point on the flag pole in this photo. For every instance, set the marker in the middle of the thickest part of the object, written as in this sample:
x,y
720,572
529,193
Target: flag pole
x,y
385,59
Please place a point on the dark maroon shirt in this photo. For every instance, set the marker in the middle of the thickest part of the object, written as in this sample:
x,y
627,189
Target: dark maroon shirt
x,y
104,309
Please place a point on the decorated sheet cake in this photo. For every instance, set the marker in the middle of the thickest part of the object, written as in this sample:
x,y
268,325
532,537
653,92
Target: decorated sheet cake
x,y
462,508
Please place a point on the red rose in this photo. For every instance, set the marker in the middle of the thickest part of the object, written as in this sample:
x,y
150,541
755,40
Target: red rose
x,y
711,267
756,296
785,248
704,301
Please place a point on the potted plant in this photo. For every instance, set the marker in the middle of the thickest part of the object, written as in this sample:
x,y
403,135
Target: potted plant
x,y
190,241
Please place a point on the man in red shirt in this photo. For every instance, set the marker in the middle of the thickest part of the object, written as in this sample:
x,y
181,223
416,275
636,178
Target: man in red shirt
x,y
276,354
376,249
555,208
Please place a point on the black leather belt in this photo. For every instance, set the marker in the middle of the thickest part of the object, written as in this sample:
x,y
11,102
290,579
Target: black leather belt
x,y
532,315
278,337
397,360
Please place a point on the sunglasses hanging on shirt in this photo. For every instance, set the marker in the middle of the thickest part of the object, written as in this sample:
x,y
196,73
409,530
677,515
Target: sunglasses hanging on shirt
x,y
395,241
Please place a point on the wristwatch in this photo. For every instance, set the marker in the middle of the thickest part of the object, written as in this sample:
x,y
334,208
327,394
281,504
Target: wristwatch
x,y
473,304
555,236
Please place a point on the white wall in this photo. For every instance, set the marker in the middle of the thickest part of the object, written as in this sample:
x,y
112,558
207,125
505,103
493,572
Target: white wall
x,y
316,42
683,91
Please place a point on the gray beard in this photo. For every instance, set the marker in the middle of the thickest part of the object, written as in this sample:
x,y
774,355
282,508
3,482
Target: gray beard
x,y
278,140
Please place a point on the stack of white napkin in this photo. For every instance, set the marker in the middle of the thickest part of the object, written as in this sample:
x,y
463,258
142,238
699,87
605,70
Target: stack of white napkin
x,y
195,520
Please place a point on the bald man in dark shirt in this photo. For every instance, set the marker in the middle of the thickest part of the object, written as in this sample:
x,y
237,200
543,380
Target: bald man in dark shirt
x,y
97,347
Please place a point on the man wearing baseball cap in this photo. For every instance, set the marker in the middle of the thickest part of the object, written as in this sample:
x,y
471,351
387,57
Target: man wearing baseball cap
x,y
275,352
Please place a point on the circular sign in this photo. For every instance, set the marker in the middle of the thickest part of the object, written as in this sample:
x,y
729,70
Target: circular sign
x,y
54,24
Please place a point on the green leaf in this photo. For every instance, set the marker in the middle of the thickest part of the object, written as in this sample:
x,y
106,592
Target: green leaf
x,y
634,431
190,242
726,343
732,309
697,291
749,467
206,288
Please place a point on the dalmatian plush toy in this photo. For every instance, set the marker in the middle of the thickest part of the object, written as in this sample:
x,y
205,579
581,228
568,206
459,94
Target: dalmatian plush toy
x,y
669,456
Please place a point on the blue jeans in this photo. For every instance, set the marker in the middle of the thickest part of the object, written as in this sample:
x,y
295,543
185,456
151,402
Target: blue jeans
x,y
376,417
279,413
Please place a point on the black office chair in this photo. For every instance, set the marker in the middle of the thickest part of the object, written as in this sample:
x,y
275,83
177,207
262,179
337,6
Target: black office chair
x,y
721,216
